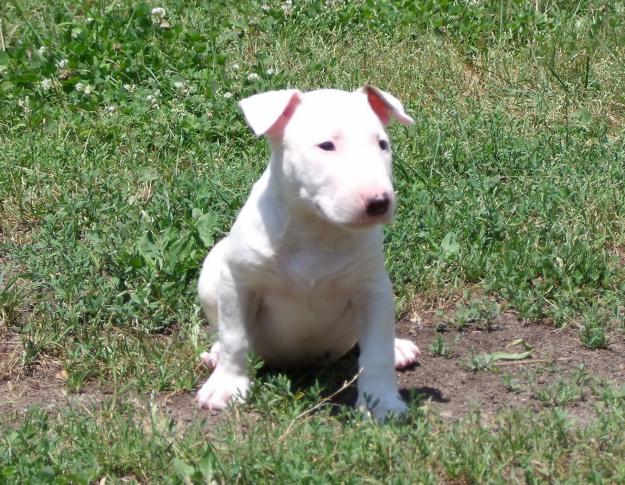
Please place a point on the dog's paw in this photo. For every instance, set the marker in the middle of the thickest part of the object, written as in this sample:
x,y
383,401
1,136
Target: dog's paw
x,y
382,407
406,353
220,389
211,358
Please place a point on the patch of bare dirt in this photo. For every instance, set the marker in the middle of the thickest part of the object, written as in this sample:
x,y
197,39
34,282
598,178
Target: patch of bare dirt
x,y
14,309
10,354
46,389
448,385
182,408
453,387
42,386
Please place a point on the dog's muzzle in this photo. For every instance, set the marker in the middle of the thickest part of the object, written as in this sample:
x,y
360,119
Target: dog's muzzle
x,y
378,204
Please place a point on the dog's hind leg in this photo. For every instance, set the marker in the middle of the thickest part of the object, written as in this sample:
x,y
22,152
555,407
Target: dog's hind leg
x,y
211,358
406,353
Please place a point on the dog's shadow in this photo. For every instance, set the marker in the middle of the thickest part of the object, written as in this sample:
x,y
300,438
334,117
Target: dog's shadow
x,y
337,384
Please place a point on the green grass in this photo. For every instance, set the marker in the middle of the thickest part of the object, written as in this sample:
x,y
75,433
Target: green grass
x,y
124,157
140,443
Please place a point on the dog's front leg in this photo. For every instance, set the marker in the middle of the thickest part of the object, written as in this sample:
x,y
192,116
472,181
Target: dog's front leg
x,y
237,305
377,384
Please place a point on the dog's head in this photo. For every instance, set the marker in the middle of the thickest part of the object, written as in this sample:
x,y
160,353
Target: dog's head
x,y
331,149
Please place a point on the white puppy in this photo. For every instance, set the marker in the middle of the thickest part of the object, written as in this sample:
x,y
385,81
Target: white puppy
x,y
300,279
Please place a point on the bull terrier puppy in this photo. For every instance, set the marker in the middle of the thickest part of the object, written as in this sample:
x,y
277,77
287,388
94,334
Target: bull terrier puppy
x,y
300,279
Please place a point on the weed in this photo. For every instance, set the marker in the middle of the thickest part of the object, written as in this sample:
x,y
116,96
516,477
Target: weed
x,y
480,362
11,298
593,333
441,348
511,383
480,313
560,393
581,377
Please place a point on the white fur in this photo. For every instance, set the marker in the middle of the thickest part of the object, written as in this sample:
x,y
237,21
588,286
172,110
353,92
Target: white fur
x,y
300,279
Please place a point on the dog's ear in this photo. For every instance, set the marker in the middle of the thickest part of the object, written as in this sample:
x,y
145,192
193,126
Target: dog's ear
x,y
385,105
268,113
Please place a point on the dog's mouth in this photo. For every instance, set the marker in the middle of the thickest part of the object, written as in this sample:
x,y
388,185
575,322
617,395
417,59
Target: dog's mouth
x,y
370,221
361,221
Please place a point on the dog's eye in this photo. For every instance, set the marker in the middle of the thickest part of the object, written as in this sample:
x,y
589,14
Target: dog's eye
x,y
383,145
327,146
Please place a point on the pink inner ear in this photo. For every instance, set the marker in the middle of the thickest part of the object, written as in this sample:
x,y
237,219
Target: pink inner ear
x,y
379,107
278,127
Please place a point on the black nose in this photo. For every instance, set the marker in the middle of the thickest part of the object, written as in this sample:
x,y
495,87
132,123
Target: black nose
x,y
377,205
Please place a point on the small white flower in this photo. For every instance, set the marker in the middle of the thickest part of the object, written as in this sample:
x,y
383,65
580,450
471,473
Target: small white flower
x,y
46,84
146,217
252,76
287,7
152,99
265,7
84,88
271,71
62,63
178,109
235,67
110,109
184,87
129,87
227,95
42,50
24,103
158,13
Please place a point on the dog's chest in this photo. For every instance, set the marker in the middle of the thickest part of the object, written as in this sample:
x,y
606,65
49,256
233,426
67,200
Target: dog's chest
x,y
307,308
308,269
310,290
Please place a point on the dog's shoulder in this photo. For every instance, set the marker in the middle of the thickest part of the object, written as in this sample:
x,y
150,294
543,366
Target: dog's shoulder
x,y
259,226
